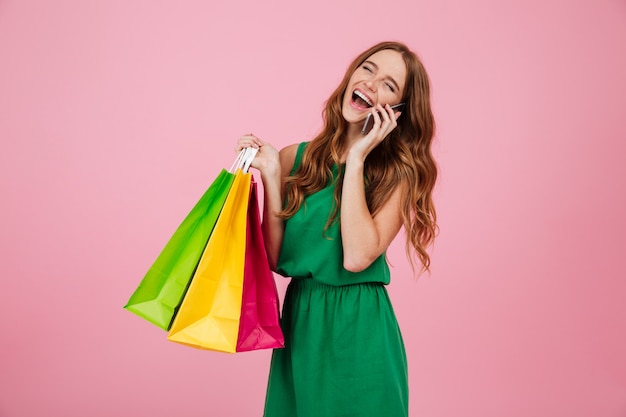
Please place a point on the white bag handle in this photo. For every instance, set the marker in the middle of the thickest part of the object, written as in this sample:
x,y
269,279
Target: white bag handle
x,y
237,162
244,159
248,158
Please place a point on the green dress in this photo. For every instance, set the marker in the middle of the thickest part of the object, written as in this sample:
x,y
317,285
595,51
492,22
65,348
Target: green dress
x,y
344,355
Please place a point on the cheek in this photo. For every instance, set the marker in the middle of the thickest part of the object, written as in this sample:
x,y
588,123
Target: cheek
x,y
354,80
386,96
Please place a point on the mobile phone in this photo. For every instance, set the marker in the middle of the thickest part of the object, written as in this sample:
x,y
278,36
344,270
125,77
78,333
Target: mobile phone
x,y
369,120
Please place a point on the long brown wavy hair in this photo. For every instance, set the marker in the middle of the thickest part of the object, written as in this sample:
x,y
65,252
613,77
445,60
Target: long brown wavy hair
x,y
404,157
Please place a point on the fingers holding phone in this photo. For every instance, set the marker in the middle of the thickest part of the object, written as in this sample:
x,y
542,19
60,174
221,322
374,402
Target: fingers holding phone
x,y
370,119
379,123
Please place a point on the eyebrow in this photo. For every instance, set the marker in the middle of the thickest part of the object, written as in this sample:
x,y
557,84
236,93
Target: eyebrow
x,y
389,77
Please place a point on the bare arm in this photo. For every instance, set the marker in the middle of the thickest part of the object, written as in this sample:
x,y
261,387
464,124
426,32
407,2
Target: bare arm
x,y
274,166
366,237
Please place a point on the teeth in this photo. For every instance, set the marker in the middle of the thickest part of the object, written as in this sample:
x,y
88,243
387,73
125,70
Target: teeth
x,y
363,97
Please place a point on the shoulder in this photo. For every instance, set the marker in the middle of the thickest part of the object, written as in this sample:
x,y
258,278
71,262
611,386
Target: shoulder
x,y
288,153
288,157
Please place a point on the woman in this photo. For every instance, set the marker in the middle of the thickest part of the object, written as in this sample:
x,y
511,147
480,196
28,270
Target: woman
x,y
332,207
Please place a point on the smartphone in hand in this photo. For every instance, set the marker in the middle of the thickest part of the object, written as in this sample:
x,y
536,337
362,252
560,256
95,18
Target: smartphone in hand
x,y
369,120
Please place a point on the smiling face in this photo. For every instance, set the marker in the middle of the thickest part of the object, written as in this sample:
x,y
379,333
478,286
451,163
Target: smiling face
x,y
379,79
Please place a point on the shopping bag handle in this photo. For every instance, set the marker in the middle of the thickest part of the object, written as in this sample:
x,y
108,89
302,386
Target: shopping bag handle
x,y
244,159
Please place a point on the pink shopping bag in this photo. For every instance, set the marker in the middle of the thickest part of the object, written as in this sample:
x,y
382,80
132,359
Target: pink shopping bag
x,y
259,326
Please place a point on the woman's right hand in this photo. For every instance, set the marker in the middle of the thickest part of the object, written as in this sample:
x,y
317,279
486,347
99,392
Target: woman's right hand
x,y
267,159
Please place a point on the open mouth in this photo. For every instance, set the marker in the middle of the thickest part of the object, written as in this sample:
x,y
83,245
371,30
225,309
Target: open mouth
x,y
361,100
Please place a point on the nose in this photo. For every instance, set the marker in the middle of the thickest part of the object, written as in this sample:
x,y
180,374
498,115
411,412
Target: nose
x,y
371,84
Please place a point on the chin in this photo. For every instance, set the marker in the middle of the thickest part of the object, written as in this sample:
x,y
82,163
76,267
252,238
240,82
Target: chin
x,y
350,115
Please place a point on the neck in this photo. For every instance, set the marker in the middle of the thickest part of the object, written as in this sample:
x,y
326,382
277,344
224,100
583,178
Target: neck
x,y
353,135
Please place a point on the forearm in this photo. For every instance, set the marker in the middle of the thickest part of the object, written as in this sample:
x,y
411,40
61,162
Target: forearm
x,y
270,164
360,237
272,226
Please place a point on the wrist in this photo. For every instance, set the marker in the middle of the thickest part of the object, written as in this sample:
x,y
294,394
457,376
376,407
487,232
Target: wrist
x,y
354,160
270,171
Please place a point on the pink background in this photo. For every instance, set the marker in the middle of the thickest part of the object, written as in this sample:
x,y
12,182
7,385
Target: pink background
x,y
116,115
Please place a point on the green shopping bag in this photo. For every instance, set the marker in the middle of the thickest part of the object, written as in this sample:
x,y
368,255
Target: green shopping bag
x,y
160,293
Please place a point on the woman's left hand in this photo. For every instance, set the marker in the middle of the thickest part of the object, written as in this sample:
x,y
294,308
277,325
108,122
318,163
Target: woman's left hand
x,y
385,120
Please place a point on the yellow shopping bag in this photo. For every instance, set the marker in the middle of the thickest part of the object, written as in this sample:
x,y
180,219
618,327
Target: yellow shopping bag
x,y
210,313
